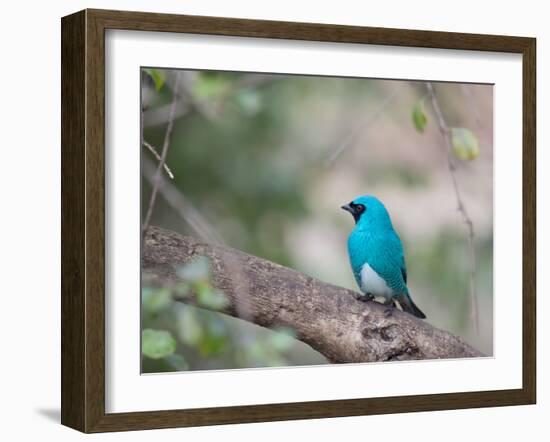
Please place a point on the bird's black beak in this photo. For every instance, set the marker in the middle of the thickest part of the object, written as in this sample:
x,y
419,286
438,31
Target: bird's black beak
x,y
348,208
353,209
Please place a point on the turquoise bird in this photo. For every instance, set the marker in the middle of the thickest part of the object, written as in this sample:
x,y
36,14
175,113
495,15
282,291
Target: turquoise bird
x,y
376,255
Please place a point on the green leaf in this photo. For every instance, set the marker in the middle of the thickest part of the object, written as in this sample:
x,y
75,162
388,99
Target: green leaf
x,y
196,270
465,143
157,344
190,329
155,301
158,77
211,299
419,116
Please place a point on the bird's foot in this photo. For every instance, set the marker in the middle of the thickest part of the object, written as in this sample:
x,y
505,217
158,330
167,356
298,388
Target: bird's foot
x,y
364,297
390,303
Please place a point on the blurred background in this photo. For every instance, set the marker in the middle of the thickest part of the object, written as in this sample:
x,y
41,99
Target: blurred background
x,y
264,162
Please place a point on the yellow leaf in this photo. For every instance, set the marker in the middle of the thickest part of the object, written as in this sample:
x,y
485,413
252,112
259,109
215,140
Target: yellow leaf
x,y
465,143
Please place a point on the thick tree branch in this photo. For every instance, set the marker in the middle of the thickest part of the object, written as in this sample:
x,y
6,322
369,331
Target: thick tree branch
x,y
326,317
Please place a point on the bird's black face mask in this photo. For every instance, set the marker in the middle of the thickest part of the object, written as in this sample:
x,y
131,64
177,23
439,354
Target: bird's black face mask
x,y
356,210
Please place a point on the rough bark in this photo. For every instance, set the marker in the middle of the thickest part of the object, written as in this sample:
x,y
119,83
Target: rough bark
x,y
328,318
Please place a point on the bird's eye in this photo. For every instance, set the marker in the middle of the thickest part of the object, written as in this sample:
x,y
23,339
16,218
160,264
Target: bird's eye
x,y
360,208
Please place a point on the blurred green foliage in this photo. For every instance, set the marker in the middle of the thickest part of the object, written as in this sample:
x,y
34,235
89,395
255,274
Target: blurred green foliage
x,y
177,336
249,152
205,161
444,262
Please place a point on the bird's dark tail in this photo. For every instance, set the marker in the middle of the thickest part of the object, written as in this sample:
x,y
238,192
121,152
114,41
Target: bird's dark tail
x,y
409,306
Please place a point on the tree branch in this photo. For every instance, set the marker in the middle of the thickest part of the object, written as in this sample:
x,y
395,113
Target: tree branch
x,y
326,317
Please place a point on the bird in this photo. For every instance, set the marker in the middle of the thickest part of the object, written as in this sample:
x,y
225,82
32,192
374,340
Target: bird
x,y
376,256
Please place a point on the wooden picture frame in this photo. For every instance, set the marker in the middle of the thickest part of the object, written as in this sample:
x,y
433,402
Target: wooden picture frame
x,y
83,220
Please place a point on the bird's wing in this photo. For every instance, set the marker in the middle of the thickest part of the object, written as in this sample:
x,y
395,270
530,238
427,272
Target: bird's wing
x,y
400,255
357,261
404,272
383,253
358,249
389,262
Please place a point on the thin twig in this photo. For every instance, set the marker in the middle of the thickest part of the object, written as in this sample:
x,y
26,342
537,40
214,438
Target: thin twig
x,y
446,134
157,156
360,127
163,155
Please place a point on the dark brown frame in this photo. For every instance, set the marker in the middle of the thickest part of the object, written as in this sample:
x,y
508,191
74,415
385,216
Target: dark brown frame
x,y
83,217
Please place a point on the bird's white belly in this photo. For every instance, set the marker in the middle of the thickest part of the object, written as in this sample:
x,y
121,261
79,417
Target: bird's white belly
x,y
373,283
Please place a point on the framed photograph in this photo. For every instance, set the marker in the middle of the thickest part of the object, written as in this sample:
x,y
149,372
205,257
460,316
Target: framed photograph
x,y
270,220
